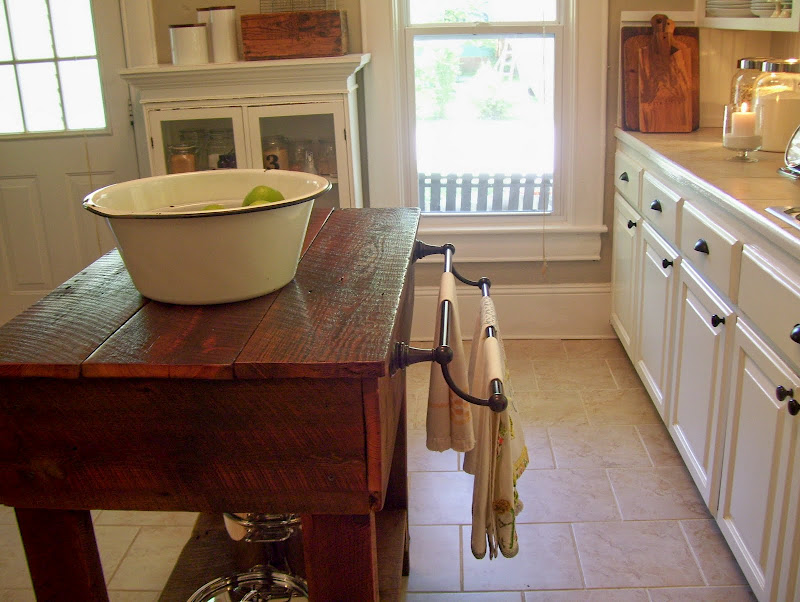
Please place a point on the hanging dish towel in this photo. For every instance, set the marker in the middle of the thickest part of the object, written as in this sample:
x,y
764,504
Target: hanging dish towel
x,y
449,419
499,456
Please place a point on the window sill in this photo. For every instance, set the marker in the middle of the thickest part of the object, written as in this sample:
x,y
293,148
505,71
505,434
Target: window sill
x,y
481,241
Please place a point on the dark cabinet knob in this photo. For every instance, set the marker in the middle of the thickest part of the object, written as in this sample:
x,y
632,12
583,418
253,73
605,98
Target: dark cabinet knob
x,y
782,392
624,176
793,406
631,224
701,246
656,205
716,320
795,334
665,263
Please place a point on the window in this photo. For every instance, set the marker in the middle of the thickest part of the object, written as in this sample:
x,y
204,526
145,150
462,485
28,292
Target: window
x,y
49,71
558,213
484,112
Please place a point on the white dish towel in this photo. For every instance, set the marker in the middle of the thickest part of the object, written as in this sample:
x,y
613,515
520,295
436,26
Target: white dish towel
x,y
449,419
499,456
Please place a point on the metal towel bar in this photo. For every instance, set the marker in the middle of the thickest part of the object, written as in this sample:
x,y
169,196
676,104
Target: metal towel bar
x,y
442,354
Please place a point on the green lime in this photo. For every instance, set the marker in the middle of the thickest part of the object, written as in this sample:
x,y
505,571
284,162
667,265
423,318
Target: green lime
x,y
213,206
264,194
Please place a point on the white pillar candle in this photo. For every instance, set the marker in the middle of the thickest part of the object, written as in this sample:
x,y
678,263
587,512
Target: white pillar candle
x,y
224,46
743,123
189,44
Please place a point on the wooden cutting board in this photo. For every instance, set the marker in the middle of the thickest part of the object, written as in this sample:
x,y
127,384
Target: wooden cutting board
x,y
661,77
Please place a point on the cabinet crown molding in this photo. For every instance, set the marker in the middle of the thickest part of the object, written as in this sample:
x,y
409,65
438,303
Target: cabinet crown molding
x,y
283,77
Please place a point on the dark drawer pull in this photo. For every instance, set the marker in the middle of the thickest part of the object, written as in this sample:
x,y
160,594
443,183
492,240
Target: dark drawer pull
x,y
716,320
701,246
793,406
795,334
782,392
665,263
656,205
624,176
631,224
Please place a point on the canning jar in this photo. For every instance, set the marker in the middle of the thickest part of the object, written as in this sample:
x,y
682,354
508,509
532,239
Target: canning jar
x,y
276,152
182,158
221,153
748,70
777,99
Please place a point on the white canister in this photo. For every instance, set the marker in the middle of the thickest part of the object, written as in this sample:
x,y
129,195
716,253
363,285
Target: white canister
x,y
224,46
204,16
777,96
189,44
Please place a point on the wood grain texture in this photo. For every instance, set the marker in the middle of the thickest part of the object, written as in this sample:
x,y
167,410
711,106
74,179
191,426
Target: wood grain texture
x,y
341,557
53,336
186,341
636,38
392,536
337,317
62,555
296,34
287,445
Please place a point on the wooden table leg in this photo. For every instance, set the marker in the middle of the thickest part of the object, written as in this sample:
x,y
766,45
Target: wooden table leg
x,y
62,555
397,488
341,557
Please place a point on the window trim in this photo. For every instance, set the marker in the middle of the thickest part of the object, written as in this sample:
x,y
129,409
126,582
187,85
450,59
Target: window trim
x,y
574,234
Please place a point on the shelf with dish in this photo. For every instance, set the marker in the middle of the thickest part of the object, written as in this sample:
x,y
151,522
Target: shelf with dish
x,y
755,15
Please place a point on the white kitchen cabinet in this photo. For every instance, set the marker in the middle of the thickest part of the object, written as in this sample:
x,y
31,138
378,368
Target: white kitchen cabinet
x,y
758,502
696,417
657,270
624,272
308,105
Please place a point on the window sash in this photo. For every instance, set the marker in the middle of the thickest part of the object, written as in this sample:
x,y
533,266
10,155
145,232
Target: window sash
x,y
448,31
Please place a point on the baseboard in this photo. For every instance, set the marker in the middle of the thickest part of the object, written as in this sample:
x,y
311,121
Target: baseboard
x,y
559,311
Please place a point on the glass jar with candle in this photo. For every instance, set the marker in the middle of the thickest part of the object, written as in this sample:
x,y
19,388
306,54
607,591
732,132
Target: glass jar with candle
x,y
777,97
741,131
748,70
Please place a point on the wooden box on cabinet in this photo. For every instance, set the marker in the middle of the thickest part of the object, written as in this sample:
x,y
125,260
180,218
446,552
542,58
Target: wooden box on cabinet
x,y
292,35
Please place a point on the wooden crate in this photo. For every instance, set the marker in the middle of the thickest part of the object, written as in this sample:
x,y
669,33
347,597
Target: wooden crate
x,y
299,34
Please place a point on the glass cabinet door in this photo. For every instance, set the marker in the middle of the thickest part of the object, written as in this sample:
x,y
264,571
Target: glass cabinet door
x,y
197,139
308,137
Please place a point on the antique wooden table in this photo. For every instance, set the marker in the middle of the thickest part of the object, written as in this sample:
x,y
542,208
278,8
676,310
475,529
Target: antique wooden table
x,y
284,403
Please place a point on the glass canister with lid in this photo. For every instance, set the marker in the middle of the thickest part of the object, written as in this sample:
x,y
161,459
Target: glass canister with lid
x,y
275,151
777,101
748,70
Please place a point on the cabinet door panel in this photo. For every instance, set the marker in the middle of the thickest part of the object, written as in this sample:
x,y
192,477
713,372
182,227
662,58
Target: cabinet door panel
x,y
656,314
760,437
626,240
700,362
193,128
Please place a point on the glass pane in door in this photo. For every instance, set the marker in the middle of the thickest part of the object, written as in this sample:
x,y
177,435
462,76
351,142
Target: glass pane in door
x,y
198,144
302,143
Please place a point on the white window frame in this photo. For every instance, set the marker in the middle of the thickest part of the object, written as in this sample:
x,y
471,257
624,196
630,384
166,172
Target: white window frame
x,y
573,232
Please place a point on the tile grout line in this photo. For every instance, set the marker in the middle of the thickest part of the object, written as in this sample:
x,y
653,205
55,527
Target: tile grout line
x,y
577,553
125,554
614,493
644,445
694,554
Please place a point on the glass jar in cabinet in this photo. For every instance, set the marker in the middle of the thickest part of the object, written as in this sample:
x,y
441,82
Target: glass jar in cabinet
x,y
777,99
275,150
221,153
182,158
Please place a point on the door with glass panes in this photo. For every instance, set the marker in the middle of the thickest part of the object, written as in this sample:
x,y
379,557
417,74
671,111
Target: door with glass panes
x,y
65,130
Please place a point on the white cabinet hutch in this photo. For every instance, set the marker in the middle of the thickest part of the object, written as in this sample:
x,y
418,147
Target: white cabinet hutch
x,y
309,102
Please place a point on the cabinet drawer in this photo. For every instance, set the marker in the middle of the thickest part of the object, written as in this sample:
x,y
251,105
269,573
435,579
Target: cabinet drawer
x,y
714,251
661,207
627,177
769,293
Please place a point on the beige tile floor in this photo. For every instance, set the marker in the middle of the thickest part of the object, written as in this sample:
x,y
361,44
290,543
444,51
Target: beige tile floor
x,y
610,514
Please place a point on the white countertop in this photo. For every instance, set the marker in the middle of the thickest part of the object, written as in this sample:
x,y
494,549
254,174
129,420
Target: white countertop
x,y
743,189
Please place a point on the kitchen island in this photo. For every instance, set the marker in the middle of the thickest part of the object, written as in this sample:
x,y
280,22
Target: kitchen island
x,y
286,403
